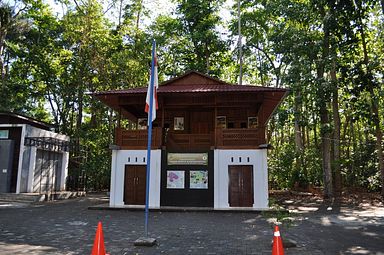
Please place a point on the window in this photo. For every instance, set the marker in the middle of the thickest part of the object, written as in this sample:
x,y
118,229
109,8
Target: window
x,y
178,123
221,122
4,134
252,122
142,123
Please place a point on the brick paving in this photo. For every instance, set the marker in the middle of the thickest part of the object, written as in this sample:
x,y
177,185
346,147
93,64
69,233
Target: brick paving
x,y
68,227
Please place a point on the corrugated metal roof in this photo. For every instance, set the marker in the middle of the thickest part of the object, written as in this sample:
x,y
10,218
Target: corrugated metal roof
x,y
195,88
193,82
16,118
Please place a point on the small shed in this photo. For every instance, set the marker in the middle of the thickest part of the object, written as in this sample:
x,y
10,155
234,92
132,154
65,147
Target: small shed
x,y
209,146
33,159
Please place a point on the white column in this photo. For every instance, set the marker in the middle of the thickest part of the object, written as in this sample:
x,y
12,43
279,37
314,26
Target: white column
x,y
216,178
112,191
64,170
155,179
19,167
31,170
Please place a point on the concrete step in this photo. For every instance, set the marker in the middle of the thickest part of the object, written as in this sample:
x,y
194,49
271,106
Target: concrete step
x,y
36,197
22,197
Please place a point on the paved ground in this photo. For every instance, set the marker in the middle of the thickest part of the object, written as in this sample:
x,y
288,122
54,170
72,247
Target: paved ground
x,y
68,227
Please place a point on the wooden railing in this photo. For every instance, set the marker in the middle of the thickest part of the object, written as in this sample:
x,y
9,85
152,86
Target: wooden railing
x,y
239,138
177,141
137,139
231,138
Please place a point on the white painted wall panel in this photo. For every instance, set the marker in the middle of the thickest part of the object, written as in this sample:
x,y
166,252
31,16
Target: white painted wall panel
x,y
222,159
120,158
257,158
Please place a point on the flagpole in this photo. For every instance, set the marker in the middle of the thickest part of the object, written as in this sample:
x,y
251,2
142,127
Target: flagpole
x,y
152,82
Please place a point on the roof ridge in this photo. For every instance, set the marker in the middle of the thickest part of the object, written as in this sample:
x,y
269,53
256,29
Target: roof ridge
x,y
170,81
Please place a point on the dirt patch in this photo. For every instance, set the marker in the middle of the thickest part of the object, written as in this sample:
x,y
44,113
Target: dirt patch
x,y
350,197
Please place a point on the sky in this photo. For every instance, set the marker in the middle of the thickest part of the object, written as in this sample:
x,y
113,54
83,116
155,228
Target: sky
x,y
157,7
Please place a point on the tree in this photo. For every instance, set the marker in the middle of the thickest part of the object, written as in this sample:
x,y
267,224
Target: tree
x,y
206,49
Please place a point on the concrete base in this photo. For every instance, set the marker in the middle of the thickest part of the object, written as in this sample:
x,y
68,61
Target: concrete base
x,y
145,241
181,209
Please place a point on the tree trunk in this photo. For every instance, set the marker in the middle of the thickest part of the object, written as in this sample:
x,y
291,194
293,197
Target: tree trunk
x,y
298,138
336,132
326,152
325,129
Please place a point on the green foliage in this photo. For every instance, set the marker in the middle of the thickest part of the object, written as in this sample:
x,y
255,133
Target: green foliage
x,y
360,170
48,63
192,38
98,162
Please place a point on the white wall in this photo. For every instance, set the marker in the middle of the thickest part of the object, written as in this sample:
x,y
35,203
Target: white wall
x,y
120,158
222,159
37,132
28,154
257,158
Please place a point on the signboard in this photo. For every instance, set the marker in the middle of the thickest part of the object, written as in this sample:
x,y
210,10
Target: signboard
x,y
187,159
4,134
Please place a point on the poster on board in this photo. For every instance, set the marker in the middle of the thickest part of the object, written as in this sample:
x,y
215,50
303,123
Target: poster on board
x,y
198,179
175,179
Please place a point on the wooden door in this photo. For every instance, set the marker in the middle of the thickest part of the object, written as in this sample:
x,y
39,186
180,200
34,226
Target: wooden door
x,y
201,122
240,186
135,184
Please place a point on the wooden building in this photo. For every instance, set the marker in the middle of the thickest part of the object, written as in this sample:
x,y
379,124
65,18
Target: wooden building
x,y
33,159
208,144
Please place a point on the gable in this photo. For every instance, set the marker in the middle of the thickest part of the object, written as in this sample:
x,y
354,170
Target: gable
x,y
193,78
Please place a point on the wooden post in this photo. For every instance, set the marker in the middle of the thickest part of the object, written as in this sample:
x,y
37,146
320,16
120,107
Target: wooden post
x,y
215,124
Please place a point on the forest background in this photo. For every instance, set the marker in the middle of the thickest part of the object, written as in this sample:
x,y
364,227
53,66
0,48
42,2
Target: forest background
x,y
329,53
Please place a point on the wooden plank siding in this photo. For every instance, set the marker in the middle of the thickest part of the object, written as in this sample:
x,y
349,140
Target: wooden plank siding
x,y
193,102
236,138
239,138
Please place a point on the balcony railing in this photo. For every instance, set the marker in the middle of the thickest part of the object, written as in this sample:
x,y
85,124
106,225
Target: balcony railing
x,y
239,138
221,139
137,139
179,141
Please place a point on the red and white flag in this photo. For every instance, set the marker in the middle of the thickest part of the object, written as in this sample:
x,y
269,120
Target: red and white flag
x,y
153,76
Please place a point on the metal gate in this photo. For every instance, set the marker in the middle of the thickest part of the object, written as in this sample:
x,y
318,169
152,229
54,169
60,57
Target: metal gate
x,y
47,174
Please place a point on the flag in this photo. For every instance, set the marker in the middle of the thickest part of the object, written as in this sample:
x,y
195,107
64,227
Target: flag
x,y
153,81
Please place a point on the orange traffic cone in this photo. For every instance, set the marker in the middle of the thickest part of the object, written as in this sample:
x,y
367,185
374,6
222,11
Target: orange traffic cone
x,y
277,248
98,244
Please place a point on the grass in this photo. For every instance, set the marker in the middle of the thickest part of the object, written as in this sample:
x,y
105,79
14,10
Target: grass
x,y
277,215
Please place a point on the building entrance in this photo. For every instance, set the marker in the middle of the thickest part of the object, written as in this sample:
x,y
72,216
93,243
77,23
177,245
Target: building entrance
x,y
135,184
240,186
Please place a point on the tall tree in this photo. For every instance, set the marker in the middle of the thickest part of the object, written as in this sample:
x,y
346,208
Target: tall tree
x,y
199,22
